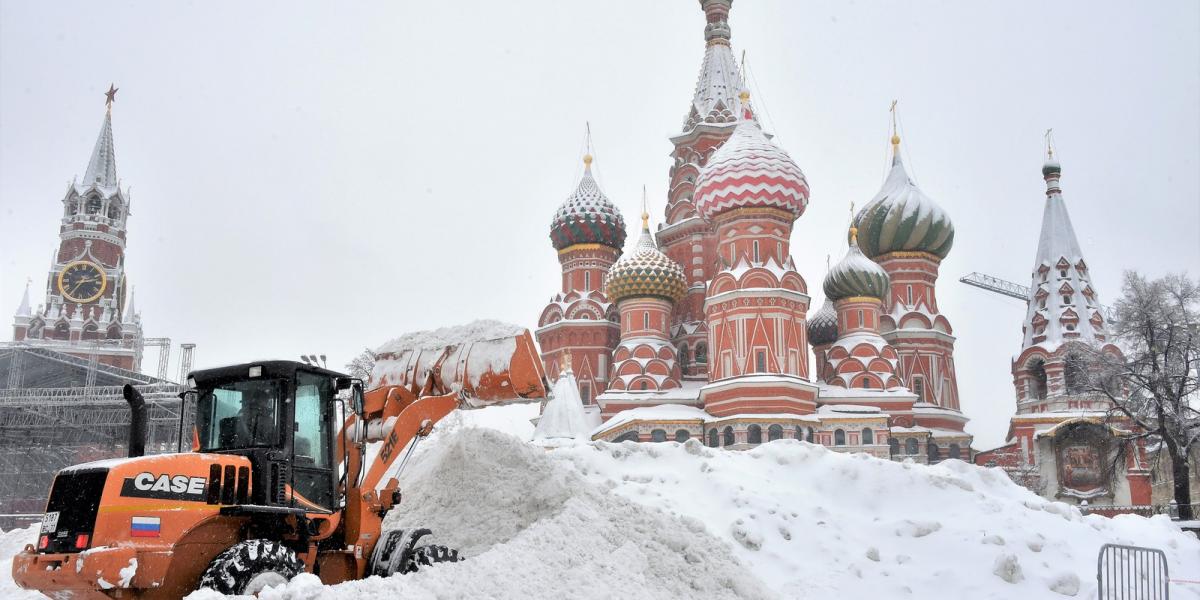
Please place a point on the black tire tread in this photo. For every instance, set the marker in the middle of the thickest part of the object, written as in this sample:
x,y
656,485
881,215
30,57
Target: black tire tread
x,y
232,569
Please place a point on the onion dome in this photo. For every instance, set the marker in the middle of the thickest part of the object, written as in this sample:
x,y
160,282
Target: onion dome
x,y
749,170
902,218
856,276
822,325
645,272
587,216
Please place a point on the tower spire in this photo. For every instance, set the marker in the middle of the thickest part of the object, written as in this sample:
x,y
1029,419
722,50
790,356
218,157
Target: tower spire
x,y
102,166
715,99
23,309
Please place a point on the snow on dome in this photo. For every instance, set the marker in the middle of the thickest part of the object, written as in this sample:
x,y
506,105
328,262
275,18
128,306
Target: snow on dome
x,y
645,272
822,325
563,416
748,170
856,275
902,218
587,217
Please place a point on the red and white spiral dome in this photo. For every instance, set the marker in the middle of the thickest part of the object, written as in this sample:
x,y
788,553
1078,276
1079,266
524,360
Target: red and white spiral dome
x,y
749,171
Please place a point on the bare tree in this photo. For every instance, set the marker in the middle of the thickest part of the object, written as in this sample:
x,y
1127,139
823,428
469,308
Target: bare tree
x,y
362,364
1157,325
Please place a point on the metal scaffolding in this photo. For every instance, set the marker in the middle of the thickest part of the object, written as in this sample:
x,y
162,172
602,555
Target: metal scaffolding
x,y
57,410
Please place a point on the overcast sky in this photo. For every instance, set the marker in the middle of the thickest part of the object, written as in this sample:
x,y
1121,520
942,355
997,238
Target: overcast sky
x,y
318,178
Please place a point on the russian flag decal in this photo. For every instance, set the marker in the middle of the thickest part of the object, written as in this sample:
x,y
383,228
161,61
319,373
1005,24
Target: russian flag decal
x,y
145,526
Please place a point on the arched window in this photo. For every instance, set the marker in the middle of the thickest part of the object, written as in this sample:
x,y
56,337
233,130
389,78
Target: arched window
x,y
774,432
760,361
931,451
629,436
811,436
702,353
728,435
91,332
587,280
910,446
93,205
646,320
645,385
682,435
73,207
712,438
918,384
756,259
62,331
114,211
868,436
955,452
893,446
658,435
754,434
114,332
1037,370
683,355
799,433
839,437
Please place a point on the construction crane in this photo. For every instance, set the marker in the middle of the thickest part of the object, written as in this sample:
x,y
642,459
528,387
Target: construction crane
x,y
1013,290
997,285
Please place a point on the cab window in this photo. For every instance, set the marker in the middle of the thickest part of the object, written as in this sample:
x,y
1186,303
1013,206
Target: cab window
x,y
313,402
240,414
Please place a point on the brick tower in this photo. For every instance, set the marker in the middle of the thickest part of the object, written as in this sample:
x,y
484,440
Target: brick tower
x,y
750,192
588,232
86,311
909,235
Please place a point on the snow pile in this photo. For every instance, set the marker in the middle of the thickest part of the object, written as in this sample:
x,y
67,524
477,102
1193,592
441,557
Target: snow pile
x,y
564,416
476,348
482,329
530,527
811,522
12,543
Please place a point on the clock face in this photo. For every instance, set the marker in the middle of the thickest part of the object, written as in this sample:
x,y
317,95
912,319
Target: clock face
x,y
82,281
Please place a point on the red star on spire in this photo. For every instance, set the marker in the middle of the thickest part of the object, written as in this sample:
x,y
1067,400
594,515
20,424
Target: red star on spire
x,y
111,95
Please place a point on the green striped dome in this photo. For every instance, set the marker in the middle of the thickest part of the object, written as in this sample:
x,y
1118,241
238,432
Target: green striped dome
x,y
855,276
901,218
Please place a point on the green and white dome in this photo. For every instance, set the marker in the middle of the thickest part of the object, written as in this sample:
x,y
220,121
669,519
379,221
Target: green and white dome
x,y
901,218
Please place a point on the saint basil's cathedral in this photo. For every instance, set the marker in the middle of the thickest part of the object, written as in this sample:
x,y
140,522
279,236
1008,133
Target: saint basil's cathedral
x,y
704,329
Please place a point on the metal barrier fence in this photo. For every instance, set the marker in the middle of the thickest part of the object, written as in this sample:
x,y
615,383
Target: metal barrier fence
x,y
1131,573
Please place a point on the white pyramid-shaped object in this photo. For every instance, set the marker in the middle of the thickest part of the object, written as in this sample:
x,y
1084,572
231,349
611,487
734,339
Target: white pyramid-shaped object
x,y
564,416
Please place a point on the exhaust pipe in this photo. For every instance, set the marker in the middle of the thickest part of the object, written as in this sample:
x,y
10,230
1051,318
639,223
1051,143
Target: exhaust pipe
x,y
137,420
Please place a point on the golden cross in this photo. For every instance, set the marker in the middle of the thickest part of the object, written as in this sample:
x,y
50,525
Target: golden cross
x,y
1050,143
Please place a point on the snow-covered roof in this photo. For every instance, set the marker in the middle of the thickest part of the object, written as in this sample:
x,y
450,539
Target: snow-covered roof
x,y
847,408
833,391
666,412
1059,251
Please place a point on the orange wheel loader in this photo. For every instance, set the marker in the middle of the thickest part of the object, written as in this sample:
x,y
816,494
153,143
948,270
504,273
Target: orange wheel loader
x,y
291,469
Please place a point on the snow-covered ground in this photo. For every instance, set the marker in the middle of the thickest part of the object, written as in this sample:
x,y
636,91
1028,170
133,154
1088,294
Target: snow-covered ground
x,y
787,519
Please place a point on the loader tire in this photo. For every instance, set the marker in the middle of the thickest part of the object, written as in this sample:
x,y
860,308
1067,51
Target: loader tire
x,y
424,556
249,567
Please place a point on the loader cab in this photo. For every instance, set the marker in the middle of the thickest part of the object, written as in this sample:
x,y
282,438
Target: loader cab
x,y
280,415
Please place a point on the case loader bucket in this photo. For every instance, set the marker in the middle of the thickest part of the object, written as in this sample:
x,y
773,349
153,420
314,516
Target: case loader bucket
x,y
486,371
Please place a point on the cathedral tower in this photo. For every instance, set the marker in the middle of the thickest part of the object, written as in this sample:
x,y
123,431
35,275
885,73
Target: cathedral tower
x,y
1063,315
909,235
686,237
588,232
85,312
750,191
646,284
